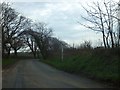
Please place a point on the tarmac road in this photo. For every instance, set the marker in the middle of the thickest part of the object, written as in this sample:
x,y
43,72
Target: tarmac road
x,y
35,74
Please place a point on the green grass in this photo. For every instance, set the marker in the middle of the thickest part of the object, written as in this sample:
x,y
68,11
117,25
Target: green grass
x,y
98,65
8,62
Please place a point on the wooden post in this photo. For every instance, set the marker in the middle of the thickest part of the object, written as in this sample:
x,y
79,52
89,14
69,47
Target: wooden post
x,y
62,52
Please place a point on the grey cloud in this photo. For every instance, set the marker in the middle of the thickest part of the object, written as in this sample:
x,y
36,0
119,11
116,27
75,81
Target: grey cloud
x,y
62,20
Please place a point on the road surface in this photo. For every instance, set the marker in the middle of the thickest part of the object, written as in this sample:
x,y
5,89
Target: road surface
x,y
35,74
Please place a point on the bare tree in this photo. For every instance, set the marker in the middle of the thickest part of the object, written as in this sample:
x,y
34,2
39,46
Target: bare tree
x,y
30,42
12,24
43,35
86,45
102,18
38,37
55,44
19,26
118,15
8,15
16,44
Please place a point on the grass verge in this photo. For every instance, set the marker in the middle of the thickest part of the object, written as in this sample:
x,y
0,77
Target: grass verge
x,y
8,62
98,65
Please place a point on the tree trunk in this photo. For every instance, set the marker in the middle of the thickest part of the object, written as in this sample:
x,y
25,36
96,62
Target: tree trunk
x,y
3,50
34,53
118,33
43,53
3,44
112,41
104,39
15,52
8,52
107,42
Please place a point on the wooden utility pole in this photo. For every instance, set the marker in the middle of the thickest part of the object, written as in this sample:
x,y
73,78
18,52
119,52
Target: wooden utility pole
x,y
62,52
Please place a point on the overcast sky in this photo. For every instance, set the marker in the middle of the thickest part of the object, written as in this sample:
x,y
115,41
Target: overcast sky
x,y
62,16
